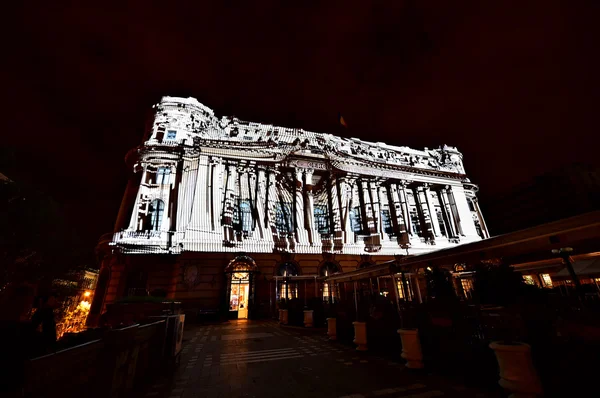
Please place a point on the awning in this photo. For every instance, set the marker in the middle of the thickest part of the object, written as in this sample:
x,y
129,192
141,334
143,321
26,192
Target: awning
x,y
539,265
375,271
580,231
296,278
583,267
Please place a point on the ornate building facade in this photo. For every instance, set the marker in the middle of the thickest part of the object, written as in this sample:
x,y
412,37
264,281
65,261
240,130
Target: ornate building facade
x,y
209,197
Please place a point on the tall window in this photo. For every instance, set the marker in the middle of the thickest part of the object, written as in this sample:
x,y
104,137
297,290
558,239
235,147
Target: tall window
x,y
355,220
547,280
162,175
242,217
440,217
322,219
157,208
386,222
283,218
467,285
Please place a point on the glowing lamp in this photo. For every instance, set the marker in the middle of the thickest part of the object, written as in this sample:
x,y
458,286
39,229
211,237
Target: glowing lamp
x,y
87,294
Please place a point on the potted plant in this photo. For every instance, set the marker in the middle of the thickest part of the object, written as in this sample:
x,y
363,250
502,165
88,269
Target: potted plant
x,y
308,318
331,318
496,284
360,328
409,335
283,312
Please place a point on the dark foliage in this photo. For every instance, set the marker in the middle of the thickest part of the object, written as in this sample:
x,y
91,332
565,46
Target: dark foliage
x,y
439,284
497,285
35,241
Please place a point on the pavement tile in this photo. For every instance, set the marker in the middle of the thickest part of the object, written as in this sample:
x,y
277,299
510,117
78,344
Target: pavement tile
x,y
261,359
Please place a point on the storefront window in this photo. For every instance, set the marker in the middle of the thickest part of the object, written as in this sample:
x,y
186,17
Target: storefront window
x,y
546,280
467,285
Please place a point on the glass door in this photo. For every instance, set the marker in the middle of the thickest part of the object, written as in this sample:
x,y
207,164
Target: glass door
x,y
238,297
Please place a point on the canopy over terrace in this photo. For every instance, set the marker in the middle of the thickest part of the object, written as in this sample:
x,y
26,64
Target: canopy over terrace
x,y
582,233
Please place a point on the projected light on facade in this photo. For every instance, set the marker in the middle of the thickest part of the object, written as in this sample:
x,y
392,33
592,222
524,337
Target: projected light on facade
x,y
212,185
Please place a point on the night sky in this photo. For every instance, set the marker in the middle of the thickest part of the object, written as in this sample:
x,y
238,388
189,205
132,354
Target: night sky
x,y
513,84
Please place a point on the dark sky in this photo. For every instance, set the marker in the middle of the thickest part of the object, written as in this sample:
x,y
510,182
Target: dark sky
x,y
513,84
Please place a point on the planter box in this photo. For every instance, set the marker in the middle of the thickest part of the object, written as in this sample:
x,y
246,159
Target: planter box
x,y
332,328
411,348
360,335
517,374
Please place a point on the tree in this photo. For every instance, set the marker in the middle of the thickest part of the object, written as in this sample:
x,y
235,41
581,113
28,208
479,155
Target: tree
x,y
35,242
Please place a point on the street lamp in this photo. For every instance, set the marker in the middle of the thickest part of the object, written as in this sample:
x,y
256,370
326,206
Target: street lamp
x,y
564,253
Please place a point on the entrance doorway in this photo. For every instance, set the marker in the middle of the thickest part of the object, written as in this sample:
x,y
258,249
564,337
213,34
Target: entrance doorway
x,y
238,298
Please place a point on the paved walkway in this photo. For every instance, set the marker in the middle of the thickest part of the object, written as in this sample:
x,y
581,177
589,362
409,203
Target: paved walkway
x,y
263,359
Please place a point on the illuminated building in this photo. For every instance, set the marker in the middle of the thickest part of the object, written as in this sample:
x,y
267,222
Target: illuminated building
x,y
216,206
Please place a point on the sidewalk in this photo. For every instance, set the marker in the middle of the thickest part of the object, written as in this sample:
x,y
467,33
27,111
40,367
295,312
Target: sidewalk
x,y
262,359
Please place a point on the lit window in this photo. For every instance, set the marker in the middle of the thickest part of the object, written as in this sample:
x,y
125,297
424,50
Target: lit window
x,y
386,222
528,279
546,280
467,285
162,175
171,134
242,217
401,290
283,218
355,221
155,212
322,219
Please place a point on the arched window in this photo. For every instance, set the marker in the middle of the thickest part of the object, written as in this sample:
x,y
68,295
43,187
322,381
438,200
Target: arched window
x,y
157,208
329,269
287,289
287,269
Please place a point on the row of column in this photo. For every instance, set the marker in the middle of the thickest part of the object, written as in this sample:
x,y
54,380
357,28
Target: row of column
x,y
211,190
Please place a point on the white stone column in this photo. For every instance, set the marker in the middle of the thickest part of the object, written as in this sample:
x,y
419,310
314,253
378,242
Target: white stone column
x,y
217,193
186,192
434,218
313,234
457,193
421,200
375,206
335,207
261,214
450,211
200,213
272,200
366,208
345,196
413,237
397,213
484,229
228,208
301,233
445,205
